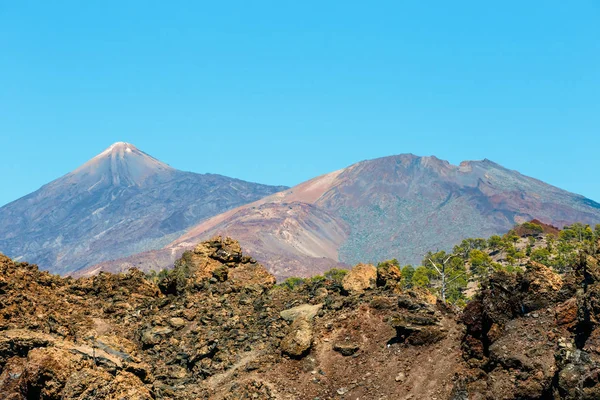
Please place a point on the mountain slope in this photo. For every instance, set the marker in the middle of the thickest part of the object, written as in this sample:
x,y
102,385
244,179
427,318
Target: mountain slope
x,y
121,202
392,207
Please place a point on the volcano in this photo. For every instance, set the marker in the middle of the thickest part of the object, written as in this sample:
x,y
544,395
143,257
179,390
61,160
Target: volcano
x,y
121,202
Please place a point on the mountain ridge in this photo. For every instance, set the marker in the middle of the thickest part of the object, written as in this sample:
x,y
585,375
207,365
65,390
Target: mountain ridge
x,y
398,206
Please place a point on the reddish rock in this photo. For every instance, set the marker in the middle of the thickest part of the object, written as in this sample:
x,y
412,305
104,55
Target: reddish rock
x,y
566,313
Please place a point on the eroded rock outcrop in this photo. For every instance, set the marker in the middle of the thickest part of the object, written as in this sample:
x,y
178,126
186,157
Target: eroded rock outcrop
x,y
216,327
531,336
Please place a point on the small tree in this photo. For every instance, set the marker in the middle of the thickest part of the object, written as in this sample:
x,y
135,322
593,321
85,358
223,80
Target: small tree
x,y
448,269
465,247
531,228
541,255
495,243
420,277
393,262
407,276
550,242
519,255
481,262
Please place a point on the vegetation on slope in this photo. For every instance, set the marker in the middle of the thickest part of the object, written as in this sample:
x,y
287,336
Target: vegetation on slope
x,y
454,276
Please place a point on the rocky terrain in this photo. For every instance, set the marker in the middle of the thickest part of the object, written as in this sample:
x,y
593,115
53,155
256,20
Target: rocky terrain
x,y
217,327
393,207
119,203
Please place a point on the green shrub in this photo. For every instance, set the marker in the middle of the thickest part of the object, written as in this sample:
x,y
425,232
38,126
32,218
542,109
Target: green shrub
x,y
293,282
541,255
533,228
408,272
480,262
335,274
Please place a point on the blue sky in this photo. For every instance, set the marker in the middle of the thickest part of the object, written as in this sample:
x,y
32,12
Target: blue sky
x,y
282,91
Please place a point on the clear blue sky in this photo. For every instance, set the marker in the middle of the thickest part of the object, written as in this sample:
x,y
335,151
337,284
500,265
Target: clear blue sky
x,y
281,91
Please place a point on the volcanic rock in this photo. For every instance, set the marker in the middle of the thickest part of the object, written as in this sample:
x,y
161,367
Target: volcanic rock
x,y
307,311
299,339
360,278
184,334
346,349
388,275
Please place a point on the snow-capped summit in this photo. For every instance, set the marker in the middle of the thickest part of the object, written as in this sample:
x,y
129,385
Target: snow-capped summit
x,y
119,147
121,164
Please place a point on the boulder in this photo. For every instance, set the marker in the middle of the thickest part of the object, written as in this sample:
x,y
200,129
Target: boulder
x,y
224,250
45,373
540,286
214,260
307,311
418,329
299,338
17,342
98,384
388,275
360,278
566,313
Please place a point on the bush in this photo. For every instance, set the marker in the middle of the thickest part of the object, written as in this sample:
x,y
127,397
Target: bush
x,y
335,274
293,282
532,228
541,255
316,280
155,277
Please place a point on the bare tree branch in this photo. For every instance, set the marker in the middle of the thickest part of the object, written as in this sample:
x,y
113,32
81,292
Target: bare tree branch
x,y
436,268
455,278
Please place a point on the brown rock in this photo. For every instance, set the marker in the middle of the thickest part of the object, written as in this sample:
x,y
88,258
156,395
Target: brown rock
x,y
346,349
308,311
360,278
225,250
252,276
46,372
542,279
388,275
543,286
566,313
153,336
418,328
177,322
98,384
299,339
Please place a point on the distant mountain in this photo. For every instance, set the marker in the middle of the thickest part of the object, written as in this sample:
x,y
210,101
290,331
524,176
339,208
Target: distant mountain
x,y
392,207
121,202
